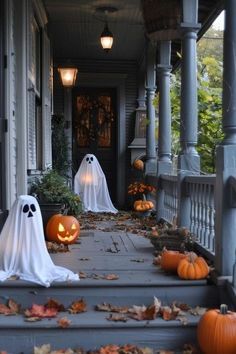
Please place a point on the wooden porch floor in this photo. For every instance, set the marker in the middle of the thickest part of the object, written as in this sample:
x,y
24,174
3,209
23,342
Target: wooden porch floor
x,y
96,255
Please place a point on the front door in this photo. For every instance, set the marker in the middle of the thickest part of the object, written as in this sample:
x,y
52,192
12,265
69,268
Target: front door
x,y
94,130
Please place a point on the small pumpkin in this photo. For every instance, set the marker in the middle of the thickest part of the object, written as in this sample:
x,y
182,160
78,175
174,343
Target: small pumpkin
x,y
143,205
62,229
170,260
193,268
138,164
216,331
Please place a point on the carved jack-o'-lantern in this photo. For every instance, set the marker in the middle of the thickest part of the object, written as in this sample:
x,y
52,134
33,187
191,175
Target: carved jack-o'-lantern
x,y
62,229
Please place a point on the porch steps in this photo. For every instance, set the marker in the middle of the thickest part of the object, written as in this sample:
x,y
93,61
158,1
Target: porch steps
x,y
138,283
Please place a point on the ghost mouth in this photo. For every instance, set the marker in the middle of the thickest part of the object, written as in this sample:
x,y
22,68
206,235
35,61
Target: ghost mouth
x,y
66,238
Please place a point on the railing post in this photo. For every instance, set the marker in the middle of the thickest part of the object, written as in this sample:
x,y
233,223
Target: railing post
x,y
164,164
225,224
151,164
188,160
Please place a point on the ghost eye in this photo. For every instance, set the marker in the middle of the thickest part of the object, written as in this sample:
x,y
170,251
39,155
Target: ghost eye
x,y
73,227
61,227
26,208
87,159
32,207
91,159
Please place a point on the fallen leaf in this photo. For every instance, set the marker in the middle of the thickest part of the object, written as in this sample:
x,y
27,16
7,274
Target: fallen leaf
x,y
139,260
54,304
40,311
141,313
12,308
64,322
197,311
190,349
165,352
32,319
111,277
117,318
109,349
44,349
168,313
111,308
157,260
78,306
83,275
96,276
84,259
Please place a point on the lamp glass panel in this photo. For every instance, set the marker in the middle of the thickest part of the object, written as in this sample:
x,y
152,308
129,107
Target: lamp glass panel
x,y
68,76
106,42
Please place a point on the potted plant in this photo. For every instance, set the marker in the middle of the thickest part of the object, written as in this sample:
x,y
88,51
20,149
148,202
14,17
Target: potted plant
x,y
54,196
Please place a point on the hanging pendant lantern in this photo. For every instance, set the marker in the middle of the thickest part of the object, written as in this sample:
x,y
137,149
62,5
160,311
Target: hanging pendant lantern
x,y
106,39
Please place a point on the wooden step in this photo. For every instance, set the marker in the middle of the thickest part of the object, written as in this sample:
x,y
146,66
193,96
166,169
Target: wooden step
x,y
91,330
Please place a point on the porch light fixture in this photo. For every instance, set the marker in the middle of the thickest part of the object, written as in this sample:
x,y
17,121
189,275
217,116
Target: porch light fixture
x,y
68,76
106,38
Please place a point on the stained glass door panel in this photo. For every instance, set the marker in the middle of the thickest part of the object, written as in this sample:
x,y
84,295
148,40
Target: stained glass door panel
x,y
94,130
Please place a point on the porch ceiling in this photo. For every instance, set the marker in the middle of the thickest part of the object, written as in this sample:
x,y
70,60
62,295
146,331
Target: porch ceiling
x,y
75,26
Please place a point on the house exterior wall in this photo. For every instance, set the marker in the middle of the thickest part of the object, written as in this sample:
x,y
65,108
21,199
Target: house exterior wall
x,y
20,97
119,70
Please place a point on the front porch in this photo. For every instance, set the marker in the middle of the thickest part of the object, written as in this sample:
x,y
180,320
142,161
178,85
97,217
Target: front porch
x,y
115,262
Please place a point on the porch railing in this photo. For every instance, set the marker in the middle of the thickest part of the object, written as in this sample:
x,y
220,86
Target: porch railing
x,y
168,187
200,190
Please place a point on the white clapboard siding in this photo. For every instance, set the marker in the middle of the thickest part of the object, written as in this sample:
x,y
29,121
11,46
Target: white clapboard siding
x,y
31,96
11,104
46,105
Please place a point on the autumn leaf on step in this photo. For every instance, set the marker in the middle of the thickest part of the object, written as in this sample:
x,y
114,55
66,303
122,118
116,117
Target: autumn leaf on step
x,y
109,349
64,322
157,260
138,260
117,318
54,304
111,277
182,306
168,313
63,351
41,311
78,306
111,308
190,349
197,311
83,275
165,352
12,308
32,319
154,232
84,259
141,313
44,349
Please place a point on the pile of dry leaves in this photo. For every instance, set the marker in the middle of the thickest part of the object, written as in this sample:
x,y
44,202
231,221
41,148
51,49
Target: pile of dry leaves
x,y
112,349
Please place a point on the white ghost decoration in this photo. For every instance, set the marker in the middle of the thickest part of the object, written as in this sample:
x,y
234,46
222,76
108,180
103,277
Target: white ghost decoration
x,y
90,184
23,250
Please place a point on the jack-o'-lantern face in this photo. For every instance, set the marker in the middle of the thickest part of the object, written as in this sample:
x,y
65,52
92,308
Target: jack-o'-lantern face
x,y
62,229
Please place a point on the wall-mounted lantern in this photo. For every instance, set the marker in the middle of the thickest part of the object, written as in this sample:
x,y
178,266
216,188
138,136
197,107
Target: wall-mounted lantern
x,y
68,76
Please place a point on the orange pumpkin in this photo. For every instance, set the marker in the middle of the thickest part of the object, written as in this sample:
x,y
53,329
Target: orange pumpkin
x,y
170,260
62,229
193,268
216,331
138,164
143,205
